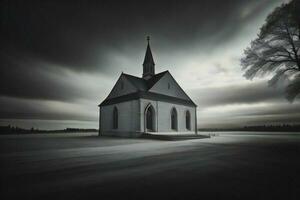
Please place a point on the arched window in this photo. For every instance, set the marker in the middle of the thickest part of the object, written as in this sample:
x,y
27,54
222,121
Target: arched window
x,y
174,119
115,118
188,120
150,118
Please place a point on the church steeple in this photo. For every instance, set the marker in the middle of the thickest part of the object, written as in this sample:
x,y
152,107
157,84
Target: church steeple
x,y
148,65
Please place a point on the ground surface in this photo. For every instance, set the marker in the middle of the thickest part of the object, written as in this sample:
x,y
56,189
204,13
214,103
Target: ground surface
x,y
232,166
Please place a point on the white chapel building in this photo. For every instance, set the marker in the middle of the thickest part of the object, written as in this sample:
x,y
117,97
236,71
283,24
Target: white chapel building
x,y
153,103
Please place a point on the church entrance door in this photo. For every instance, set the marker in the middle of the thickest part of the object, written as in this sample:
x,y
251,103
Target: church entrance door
x,y
150,119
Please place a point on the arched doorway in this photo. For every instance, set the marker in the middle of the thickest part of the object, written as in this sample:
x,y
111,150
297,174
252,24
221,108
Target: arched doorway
x,y
150,118
188,120
174,125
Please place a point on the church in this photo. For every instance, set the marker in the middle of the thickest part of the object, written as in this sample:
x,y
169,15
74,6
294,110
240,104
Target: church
x,y
151,104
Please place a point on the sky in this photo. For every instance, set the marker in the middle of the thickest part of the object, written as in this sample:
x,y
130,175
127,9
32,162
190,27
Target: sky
x,y
59,60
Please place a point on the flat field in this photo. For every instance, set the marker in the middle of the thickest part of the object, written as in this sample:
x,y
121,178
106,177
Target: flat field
x,y
85,166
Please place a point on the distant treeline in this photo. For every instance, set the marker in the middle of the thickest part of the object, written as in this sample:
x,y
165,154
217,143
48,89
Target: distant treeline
x,y
16,130
271,128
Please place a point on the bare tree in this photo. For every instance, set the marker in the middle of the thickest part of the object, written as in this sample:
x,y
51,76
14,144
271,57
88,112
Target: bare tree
x,y
276,49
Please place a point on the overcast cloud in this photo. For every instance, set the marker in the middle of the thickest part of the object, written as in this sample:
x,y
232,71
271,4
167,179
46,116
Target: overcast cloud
x,y
59,60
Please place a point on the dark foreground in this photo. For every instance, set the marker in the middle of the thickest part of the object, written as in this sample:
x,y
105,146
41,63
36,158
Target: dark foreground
x,y
223,167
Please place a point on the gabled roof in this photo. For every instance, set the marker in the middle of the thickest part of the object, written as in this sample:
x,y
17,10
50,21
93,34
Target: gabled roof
x,y
143,86
137,82
154,79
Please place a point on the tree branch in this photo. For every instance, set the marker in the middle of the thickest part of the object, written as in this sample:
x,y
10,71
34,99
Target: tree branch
x,y
288,69
293,46
277,61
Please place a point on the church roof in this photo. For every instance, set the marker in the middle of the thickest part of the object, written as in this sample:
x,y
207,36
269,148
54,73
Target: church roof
x,y
137,82
143,86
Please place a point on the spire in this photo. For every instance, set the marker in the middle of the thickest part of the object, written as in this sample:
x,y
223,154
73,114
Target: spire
x,y
148,65
148,56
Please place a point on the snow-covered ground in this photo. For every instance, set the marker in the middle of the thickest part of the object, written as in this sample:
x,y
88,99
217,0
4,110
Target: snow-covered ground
x,y
82,166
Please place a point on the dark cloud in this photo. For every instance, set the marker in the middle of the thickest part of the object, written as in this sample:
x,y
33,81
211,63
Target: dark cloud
x,y
255,114
283,111
272,114
24,78
15,108
79,35
251,93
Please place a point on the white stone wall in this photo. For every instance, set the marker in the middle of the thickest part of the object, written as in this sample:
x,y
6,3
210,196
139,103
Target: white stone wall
x,y
131,121
128,119
163,116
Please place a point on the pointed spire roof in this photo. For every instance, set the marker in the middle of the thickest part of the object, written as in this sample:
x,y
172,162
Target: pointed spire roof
x,y
148,56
